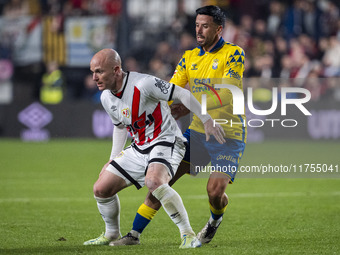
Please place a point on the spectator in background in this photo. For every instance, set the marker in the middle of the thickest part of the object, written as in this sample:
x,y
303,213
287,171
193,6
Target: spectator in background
x,y
286,67
329,17
161,63
186,42
267,66
131,64
293,20
183,22
230,32
275,18
302,68
311,19
164,52
280,49
246,24
338,30
52,89
322,47
260,30
75,8
160,69
331,59
16,8
308,45
54,8
91,91
313,84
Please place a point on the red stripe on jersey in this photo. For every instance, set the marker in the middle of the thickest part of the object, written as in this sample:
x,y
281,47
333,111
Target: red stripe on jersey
x,y
139,122
157,116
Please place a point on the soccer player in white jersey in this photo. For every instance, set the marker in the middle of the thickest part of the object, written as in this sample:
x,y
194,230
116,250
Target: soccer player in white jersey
x,y
137,103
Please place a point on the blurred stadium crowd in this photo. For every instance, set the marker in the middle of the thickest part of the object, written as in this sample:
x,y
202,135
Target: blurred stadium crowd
x,y
296,40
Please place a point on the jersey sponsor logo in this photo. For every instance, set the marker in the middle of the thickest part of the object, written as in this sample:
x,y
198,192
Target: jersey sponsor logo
x,y
162,85
226,157
194,67
201,81
114,108
206,88
233,74
215,64
126,113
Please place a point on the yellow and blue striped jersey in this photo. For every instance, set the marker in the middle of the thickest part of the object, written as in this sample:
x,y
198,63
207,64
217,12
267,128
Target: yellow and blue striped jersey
x,y
224,64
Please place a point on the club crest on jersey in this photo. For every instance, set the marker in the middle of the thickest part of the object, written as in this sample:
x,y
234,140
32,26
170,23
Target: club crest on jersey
x,y
126,113
120,155
215,64
162,85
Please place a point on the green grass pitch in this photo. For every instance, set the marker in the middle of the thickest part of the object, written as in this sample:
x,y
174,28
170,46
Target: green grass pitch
x,y
47,205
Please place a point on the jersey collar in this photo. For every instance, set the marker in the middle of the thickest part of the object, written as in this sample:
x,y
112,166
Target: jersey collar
x,y
217,46
120,94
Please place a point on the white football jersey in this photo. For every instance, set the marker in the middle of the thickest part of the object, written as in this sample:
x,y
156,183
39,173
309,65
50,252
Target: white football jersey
x,y
143,109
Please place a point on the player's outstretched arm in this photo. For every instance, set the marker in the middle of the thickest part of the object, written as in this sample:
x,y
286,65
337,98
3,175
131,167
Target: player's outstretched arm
x,y
193,105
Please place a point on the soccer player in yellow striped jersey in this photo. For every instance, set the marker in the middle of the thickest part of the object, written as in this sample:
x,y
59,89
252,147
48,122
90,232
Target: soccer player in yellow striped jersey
x,y
214,61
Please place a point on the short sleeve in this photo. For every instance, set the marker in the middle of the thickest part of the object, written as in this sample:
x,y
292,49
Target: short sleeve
x,y
180,77
158,89
235,65
104,98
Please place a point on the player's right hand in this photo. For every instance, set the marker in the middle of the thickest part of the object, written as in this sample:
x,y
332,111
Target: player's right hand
x,y
217,131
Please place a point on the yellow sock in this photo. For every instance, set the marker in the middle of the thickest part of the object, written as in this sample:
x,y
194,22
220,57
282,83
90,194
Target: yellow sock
x,y
217,213
143,216
146,211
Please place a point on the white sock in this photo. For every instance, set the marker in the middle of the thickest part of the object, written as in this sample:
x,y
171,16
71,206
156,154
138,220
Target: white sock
x,y
215,223
173,206
109,209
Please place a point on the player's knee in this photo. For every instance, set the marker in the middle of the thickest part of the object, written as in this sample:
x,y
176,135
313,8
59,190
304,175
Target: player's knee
x,y
101,191
153,182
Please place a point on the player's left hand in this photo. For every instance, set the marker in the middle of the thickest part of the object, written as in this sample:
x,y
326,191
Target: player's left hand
x,y
217,131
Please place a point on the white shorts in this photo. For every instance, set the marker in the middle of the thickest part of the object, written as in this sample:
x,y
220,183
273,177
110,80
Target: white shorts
x,y
131,164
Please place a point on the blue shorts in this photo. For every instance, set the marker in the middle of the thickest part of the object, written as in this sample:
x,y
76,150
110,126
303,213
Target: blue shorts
x,y
224,158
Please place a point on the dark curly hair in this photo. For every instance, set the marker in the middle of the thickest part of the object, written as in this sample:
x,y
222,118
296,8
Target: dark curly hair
x,y
218,15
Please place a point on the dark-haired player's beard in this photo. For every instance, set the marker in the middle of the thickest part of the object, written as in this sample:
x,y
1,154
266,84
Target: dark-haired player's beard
x,y
205,42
